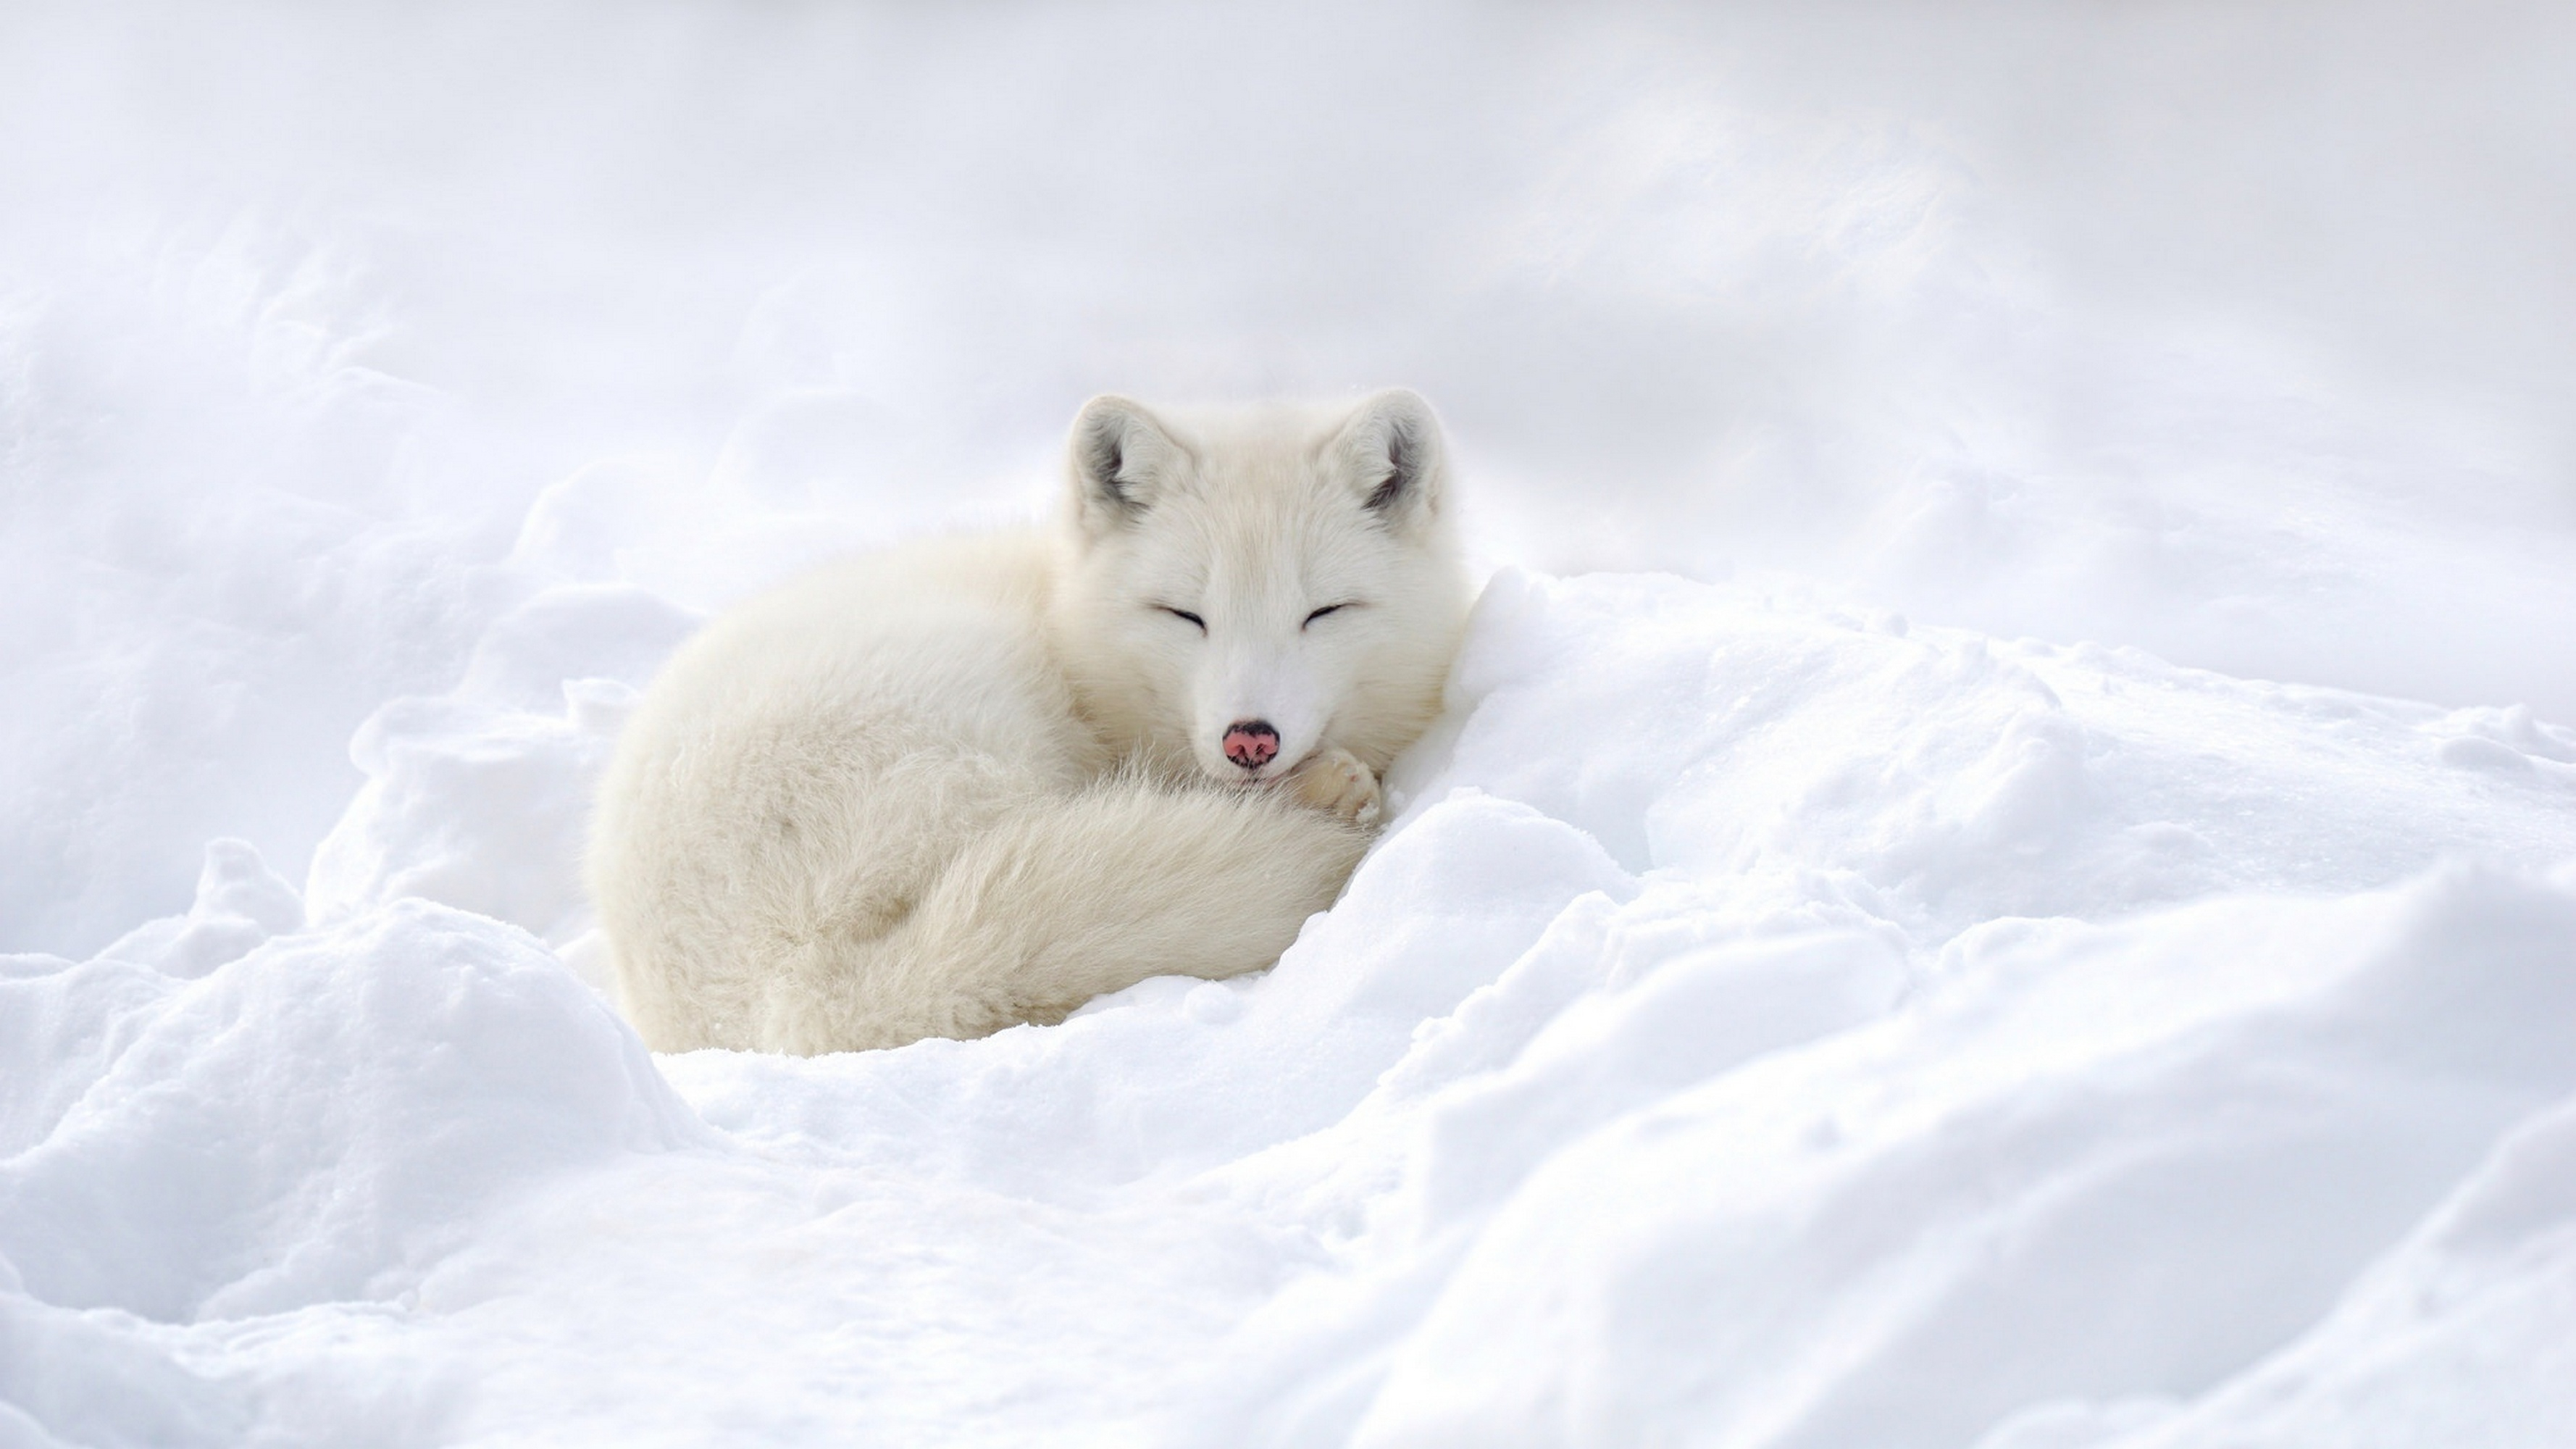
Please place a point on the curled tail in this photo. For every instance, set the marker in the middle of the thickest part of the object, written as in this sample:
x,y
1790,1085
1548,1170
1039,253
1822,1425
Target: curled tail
x,y
1063,900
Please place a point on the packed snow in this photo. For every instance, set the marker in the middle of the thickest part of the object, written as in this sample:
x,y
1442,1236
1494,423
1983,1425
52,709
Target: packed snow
x,y
2000,873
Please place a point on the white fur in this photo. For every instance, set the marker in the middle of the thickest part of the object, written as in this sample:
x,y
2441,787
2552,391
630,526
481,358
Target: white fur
x,y
975,782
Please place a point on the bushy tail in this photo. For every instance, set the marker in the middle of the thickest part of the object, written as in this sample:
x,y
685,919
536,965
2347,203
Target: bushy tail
x,y
1069,898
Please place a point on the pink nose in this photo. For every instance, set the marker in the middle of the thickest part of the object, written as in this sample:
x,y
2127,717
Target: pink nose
x,y
1251,743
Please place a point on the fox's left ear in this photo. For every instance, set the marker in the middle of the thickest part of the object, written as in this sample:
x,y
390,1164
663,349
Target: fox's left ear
x,y
1391,452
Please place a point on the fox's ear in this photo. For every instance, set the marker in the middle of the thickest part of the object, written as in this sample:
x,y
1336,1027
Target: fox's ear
x,y
1119,462
1391,452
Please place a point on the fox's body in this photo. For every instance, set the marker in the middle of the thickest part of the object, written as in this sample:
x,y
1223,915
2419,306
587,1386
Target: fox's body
x,y
960,785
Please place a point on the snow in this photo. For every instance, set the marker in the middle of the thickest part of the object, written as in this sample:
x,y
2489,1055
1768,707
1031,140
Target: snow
x,y
2050,923
1799,1028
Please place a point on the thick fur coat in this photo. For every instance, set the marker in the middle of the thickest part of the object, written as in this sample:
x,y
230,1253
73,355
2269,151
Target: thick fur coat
x,y
965,784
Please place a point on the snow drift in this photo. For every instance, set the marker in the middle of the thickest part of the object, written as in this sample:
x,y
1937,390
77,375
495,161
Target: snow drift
x,y
1764,1023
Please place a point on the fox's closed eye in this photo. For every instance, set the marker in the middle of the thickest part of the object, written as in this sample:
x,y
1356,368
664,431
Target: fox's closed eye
x,y
1327,609
1184,614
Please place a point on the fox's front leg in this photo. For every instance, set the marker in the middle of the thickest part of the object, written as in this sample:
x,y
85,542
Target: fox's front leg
x,y
1335,782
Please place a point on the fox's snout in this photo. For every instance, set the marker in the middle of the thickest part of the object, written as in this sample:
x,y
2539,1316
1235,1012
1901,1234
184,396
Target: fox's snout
x,y
1251,743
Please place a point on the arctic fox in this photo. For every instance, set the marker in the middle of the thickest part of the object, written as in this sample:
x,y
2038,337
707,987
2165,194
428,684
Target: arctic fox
x,y
966,784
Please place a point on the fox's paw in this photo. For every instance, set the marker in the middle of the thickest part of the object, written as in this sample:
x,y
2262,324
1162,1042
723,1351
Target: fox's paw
x,y
1335,782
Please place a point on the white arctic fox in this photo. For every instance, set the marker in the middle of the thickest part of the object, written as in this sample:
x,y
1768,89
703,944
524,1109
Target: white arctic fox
x,y
970,783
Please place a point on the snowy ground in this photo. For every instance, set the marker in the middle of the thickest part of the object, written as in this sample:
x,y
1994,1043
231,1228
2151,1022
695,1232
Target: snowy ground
x,y
2050,923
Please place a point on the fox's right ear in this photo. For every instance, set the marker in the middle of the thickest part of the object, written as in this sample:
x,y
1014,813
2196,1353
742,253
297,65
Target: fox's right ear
x,y
1120,461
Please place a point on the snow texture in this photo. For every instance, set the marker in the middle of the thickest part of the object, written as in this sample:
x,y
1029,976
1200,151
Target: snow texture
x,y
2053,926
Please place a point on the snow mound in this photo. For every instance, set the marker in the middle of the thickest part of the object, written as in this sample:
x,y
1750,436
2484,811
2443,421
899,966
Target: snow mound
x,y
312,1123
1764,1024
476,798
2092,1163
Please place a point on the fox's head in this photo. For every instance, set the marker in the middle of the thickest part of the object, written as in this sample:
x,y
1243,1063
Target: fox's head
x,y
1245,588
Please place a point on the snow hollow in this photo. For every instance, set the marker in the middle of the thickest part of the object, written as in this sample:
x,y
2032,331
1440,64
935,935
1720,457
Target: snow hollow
x,y
2001,871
